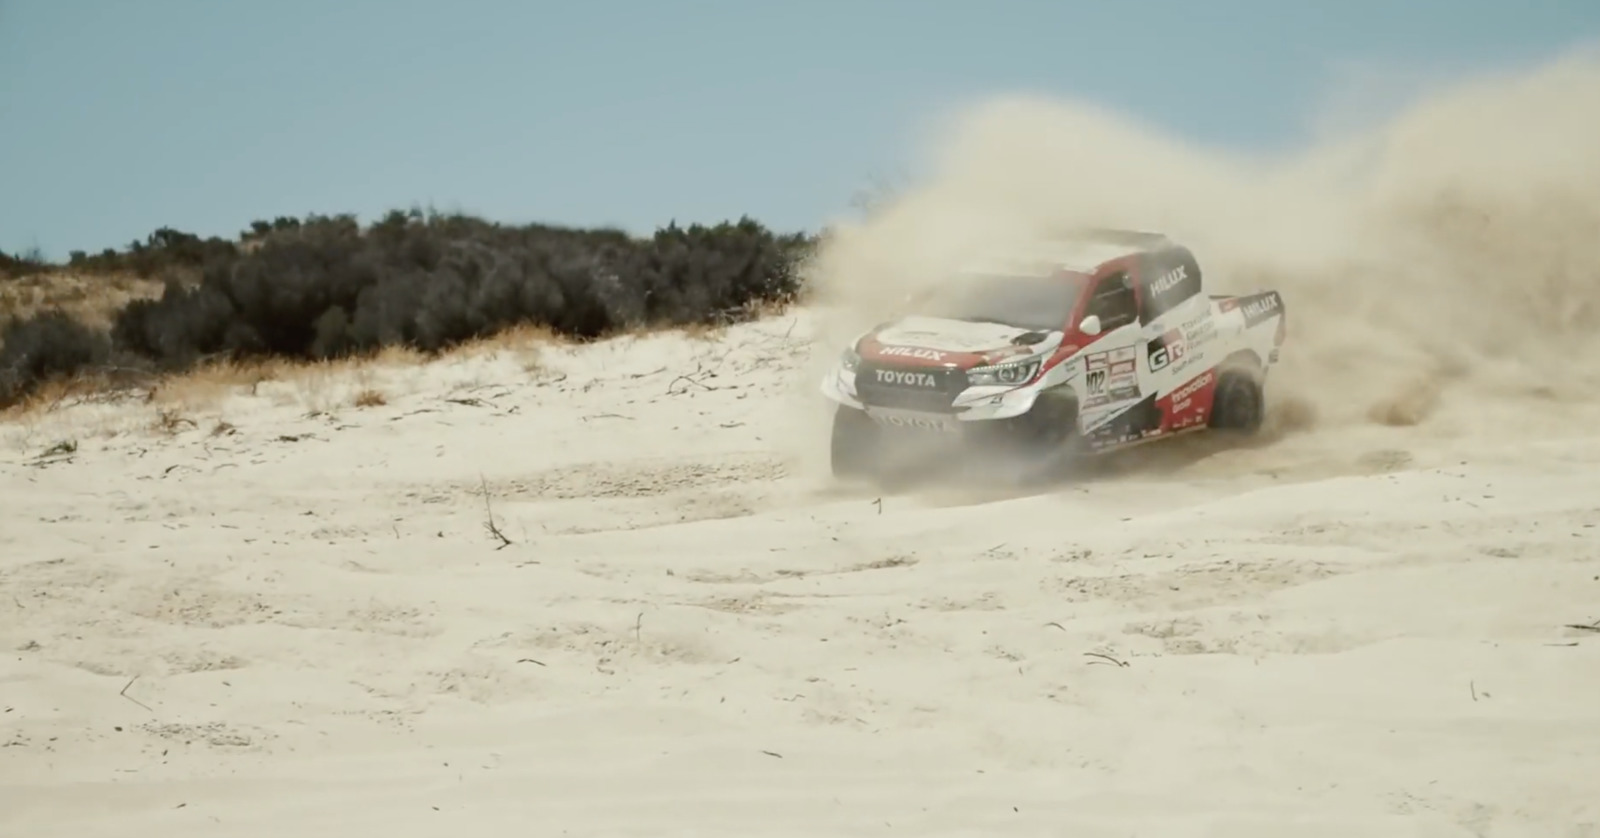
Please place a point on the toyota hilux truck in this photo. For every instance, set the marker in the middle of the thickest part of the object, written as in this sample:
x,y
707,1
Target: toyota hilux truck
x,y
1077,345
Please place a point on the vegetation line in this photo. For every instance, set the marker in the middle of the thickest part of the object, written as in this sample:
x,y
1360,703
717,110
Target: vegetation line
x,y
325,287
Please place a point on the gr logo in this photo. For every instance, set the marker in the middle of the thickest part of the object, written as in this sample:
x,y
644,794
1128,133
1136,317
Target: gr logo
x,y
1167,349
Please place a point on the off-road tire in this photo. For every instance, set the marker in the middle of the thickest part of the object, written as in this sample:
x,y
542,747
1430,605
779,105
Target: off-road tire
x,y
1051,426
1239,405
854,449
1037,447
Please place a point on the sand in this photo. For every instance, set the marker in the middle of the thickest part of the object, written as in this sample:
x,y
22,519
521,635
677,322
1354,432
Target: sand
x,y
303,626
284,614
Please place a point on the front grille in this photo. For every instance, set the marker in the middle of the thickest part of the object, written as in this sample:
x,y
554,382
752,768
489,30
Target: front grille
x,y
907,395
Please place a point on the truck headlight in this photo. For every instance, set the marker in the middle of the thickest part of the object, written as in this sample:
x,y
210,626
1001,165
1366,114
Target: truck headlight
x,y
849,359
1020,372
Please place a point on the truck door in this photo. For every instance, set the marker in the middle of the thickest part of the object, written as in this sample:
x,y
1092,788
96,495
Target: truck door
x,y
1177,331
1110,364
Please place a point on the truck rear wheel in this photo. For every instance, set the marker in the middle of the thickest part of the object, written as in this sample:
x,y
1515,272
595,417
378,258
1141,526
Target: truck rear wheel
x,y
1239,404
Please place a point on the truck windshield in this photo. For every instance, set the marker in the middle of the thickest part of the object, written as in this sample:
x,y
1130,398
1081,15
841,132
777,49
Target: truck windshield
x,y
1028,302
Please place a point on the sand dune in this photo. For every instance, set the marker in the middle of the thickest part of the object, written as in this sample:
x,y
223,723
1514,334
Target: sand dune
x,y
286,615
302,624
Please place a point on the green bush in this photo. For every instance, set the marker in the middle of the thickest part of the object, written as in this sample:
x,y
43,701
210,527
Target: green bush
x,y
324,287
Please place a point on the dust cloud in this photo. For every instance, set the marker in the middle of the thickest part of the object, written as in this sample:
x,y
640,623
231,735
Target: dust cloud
x,y
1440,267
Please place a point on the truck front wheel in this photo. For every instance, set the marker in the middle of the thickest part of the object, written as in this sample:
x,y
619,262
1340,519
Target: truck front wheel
x,y
1048,428
854,449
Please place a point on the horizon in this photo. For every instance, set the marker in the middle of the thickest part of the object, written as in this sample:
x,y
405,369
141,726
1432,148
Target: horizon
x,y
203,117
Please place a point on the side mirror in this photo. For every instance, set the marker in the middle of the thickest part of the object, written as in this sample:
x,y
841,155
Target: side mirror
x,y
1090,325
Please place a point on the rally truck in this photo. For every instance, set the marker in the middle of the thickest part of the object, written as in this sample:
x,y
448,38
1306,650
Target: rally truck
x,y
1080,344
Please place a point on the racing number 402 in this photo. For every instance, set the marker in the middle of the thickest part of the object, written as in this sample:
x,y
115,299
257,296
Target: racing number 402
x,y
1096,381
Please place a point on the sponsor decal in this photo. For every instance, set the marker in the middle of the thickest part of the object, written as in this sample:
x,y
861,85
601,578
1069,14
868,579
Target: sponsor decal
x,y
1199,329
1110,357
1110,376
1184,352
1092,420
1119,424
1180,396
1200,334
1257,308
1182,399
912,352
1166,281
908,378
1260,307
1175,348
912,421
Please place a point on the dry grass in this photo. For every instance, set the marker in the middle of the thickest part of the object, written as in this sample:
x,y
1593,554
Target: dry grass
x,y
209,384
206,387
319,386
703,331
757,310
52,394
170,421
94,299
525,343
370,398
515,340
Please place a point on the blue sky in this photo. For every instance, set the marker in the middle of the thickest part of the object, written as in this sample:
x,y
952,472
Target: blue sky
x,y
121,116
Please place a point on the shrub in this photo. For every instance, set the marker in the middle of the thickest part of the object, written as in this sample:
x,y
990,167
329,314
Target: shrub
x,y
324,287
47,345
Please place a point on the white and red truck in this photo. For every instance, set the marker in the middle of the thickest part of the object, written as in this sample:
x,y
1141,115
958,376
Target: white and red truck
x,y
1083,344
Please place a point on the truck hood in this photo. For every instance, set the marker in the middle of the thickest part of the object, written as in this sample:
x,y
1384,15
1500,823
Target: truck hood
x,y
941,342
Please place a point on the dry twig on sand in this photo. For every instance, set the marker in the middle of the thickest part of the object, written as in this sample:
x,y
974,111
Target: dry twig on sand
x,y
692,378
489,523
124,694
1105,659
